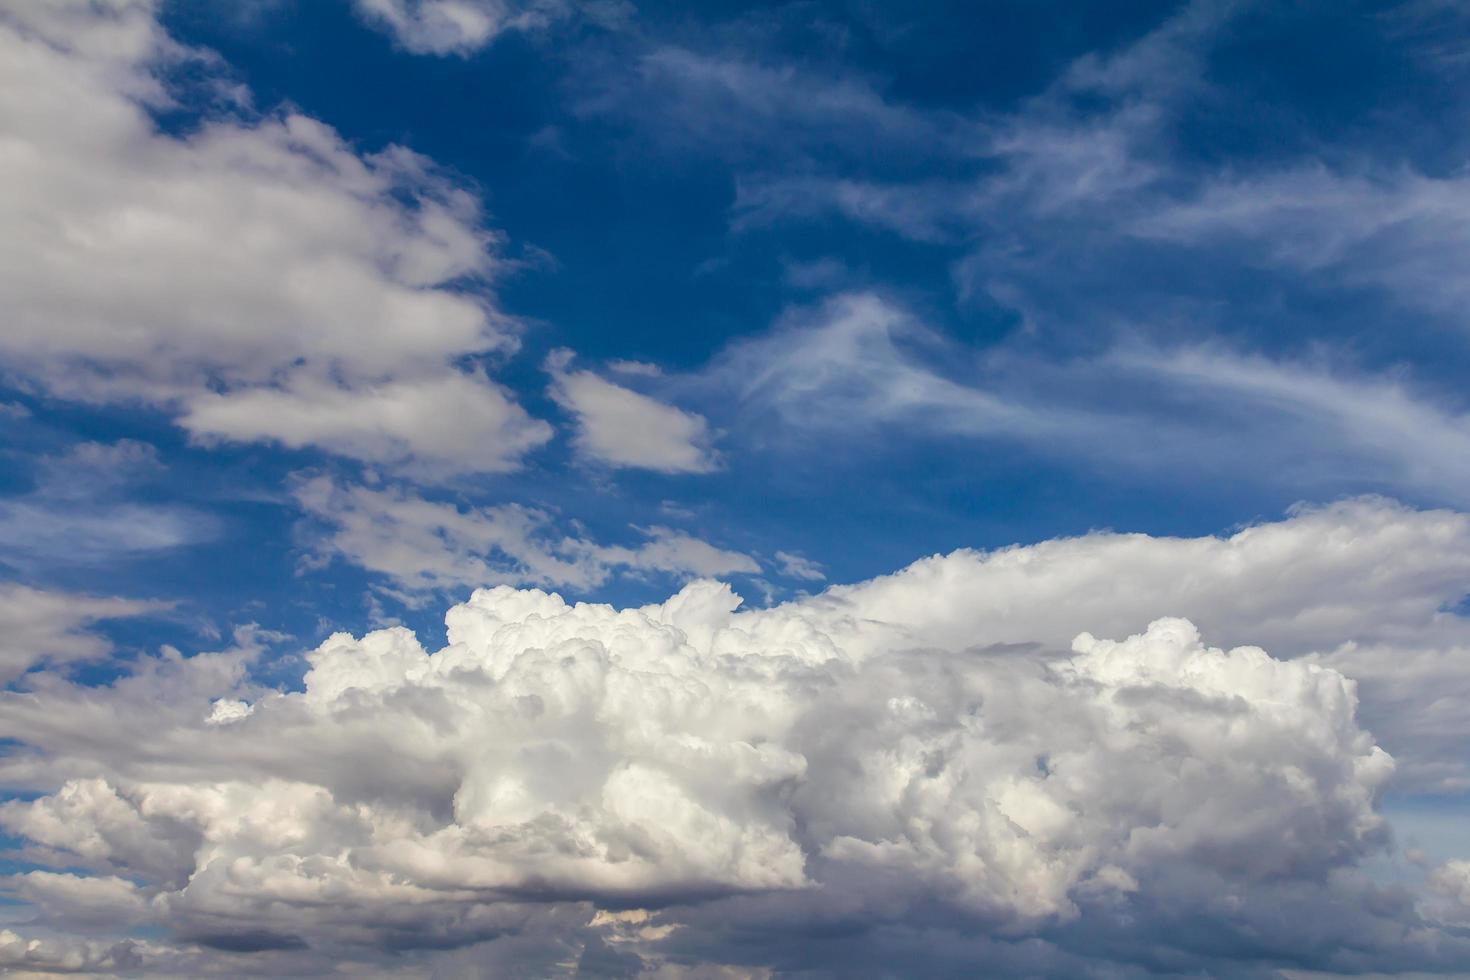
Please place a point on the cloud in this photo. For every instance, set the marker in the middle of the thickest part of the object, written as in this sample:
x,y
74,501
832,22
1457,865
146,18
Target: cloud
x,y
1452,881
733,100
1292,586
423,546
686,783
24,956
78,512
796,566
855,360
1066,203
52,628
1362,586
594,738
1406,438
932,212
455,423
858,366
1399,231
636,369
623,428
459,27
259,279
1046,159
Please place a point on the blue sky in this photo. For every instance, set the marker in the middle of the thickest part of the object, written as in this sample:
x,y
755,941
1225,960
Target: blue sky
x,y
623,161
324,314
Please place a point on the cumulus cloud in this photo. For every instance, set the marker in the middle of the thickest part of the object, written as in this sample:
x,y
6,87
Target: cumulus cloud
x,y
258,279
621,427
460,27
1365,586
422,545
1291,585
1449,886
584,754
926,753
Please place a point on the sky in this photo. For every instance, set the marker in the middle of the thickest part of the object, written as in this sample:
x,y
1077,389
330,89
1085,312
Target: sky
x,y
829,488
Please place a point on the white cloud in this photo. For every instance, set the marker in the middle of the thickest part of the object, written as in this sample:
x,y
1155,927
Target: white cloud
x,y
621,427
612,756
26,957
796,566
423,545
1045,160
460,27
453,423
1362,586
1363,569
47,627
259,280
913,752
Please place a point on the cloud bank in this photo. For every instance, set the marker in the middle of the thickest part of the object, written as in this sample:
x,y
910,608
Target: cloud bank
x,y
683,783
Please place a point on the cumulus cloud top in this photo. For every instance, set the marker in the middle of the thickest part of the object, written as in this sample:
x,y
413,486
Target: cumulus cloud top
x,y
1363,568
554,757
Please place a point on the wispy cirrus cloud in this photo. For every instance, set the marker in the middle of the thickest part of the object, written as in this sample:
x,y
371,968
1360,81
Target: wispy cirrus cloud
x,y
81,511
860,365
1397,230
